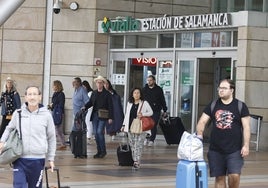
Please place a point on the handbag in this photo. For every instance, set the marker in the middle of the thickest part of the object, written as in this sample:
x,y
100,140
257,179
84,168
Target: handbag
x,y
103,113
147,123
12,149
190,147
57,115
136,126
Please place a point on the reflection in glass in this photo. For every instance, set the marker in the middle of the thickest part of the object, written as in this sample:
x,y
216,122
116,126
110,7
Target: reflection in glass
x,y
166,40
117,42
184,40
141,41
235,38
186,92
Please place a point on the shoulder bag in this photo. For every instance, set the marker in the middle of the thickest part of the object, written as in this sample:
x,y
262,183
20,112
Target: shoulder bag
x,y
12,149
147,122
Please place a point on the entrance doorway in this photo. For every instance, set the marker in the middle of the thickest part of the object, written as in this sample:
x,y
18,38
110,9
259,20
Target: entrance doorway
x,y
211,72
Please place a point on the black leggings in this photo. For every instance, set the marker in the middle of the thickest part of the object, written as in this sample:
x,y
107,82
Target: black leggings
x,y
3,125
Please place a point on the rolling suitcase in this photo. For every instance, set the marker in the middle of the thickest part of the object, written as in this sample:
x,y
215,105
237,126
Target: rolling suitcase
x,y
58,179
172,129
191,174
124,155
78,142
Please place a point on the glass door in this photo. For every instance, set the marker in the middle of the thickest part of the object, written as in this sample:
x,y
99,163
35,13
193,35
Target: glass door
x,y
187,93
119,79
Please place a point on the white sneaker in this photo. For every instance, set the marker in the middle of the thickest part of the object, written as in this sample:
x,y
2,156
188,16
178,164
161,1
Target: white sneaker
x,y
151,143
145,142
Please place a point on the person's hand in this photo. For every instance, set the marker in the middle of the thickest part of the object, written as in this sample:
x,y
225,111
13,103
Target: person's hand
x,y
110,121
122,129
245,151
52,165
139,115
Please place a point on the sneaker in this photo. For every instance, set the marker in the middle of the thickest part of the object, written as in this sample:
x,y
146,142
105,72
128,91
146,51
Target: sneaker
x,y
136,166
151,143
63,147
145,143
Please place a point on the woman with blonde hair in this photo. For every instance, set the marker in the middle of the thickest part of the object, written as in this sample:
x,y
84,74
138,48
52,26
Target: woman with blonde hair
x,y
57,107
10,101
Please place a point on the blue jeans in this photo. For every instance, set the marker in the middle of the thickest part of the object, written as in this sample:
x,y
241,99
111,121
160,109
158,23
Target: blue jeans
x,y
99,131
156,117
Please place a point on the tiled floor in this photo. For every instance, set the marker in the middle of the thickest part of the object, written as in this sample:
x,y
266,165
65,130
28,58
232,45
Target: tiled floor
x,y
158,169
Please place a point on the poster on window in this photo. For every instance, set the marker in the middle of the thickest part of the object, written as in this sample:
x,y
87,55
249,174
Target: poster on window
x,y
165,79
186,40
206,39
216,39
225,39
118,79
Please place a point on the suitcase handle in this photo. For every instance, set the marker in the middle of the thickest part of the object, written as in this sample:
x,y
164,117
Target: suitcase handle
x,y
58,175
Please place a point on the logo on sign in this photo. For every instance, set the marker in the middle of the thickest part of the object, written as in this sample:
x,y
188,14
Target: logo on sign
x,y
144,61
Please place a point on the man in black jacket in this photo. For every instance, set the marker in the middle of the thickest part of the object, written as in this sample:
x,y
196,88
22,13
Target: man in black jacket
x,y
155,96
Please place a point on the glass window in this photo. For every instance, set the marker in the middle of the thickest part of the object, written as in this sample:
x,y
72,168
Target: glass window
x,y
256,5
166,41
141,41
235,38
220,6
186,92
239,5
225,39
184,40
117,42
212,39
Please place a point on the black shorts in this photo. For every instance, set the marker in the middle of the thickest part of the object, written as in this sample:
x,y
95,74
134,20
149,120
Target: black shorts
x,y
224,164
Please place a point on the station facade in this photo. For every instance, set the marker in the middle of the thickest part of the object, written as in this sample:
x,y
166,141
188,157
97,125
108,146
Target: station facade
x,y
188,47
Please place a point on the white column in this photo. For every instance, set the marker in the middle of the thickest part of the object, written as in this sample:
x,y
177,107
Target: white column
x,y
48,49
7,8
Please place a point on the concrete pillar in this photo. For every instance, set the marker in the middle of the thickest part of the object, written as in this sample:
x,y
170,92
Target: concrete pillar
x,y
7,8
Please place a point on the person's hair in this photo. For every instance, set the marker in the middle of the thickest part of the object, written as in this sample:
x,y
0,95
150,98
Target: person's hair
x,y
39,91
131,98
58,85
13,89
110,86
151,76
231,83
78,80
87,85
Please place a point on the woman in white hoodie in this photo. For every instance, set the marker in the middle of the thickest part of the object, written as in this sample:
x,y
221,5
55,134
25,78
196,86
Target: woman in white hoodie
x,y
136,107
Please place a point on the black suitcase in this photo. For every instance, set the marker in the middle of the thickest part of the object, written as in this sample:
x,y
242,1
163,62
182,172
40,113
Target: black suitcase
x,y
124,155
78,142
172,129
58,178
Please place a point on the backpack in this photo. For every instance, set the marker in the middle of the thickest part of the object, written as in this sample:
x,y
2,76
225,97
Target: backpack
x,y
79,121
240,105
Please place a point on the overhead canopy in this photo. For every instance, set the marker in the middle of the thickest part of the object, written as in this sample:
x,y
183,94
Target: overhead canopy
x,y
7,8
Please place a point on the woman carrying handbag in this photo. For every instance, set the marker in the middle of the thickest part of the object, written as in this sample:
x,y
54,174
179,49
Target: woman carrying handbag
x,y
135,109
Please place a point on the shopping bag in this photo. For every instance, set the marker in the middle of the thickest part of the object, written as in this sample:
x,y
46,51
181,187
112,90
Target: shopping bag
x,y
190,147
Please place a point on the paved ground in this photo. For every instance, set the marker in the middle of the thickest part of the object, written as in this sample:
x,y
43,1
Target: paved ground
x,y
158,169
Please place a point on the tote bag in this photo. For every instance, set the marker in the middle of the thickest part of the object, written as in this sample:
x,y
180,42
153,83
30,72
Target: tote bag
x,y
12,149
136,126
